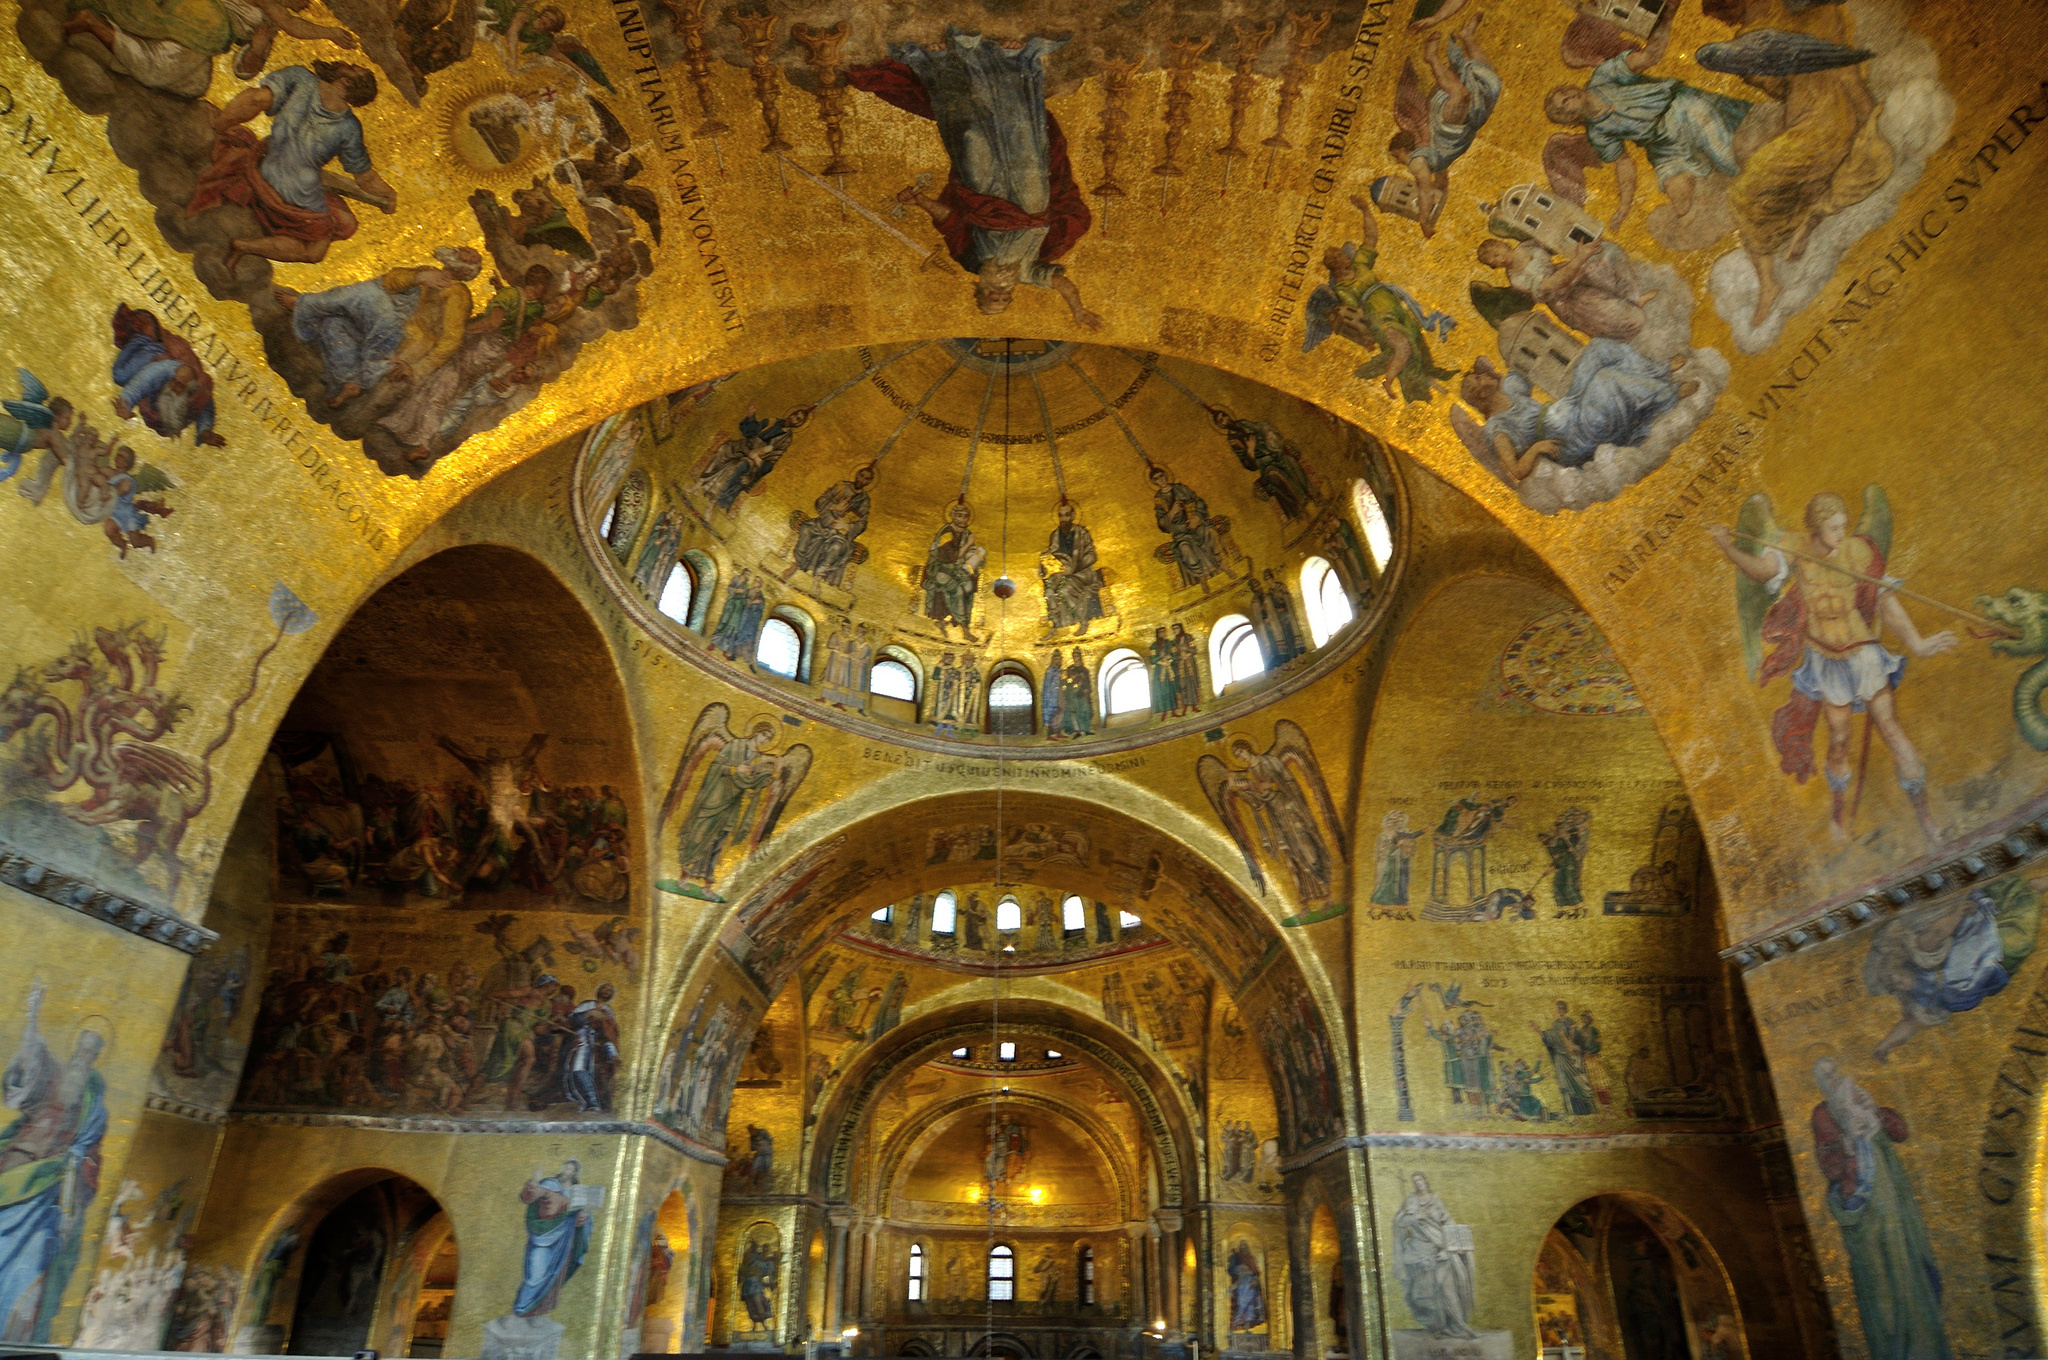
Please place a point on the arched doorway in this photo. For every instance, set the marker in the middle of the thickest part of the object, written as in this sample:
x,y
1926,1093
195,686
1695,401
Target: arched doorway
x,y
1624,1277
1003,1345
363,1282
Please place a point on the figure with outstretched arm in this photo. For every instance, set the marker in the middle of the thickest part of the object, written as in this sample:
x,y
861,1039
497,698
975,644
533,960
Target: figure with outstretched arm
x,y
1368,311
278,177
1830,603
1010,208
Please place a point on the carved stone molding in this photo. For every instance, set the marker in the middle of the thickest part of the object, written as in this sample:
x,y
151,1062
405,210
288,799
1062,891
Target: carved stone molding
x,y
157,924
631,1128
1994,854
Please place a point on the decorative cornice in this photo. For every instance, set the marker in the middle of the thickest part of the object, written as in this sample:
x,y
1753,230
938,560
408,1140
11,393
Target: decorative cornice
x,y
157,924
1588,1142
631,1128
181,1109
1310,1156
2024,839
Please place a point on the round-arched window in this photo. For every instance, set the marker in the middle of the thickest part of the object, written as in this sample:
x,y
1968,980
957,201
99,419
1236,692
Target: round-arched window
x,y
1010,691
1002,1273
945,914
1372,517
916,1291
1125,686
1234,651
1009,915
678,593
1329,604
892,680
1073,914
781,648
1009,705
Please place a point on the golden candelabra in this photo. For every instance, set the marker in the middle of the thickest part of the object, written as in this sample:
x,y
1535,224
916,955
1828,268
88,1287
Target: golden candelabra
x,y
1307,28
1179,95
1116,87
1251,45
688,16
757,32
821,54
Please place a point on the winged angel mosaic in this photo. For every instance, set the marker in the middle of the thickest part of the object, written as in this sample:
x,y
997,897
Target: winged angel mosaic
x,y
746,785
1270,802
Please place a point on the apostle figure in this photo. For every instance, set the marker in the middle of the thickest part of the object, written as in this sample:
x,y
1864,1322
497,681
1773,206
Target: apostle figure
x,y
1010,206
825,542
1393,851
1073,588
760,1272
1184,518
557,1237
1870,1197
735,466
952,572
1433,1260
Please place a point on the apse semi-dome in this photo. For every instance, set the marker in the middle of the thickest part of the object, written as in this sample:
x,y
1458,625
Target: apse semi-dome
x,y
1047,546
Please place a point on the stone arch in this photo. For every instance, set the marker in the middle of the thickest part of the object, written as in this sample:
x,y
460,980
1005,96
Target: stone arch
x,y
841,1123
908,1141
1655,1280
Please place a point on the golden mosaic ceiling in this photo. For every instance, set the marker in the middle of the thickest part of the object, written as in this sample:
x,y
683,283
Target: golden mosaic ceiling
x,y
892,488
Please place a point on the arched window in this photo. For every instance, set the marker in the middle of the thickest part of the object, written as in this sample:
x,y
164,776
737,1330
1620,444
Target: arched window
x,y
1006,1051
1125,686
1126,921
678,593
781,648
915,1293
1009,703
604,526
1372,517
887,913
1002,1273
1234,652
945,908
1009,916
622,522
1087,1281
1073,914
703,581
892,679
1329,604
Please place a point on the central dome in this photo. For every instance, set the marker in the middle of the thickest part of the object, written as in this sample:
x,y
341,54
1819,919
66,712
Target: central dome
x,y
838,532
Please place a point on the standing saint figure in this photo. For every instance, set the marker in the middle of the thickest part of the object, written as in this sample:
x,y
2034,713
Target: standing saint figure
x,y
1870,1197
1394,852
52,1118
1247,1290
1183,517
1160,670
952,572
760,1273
1565,1043
1823,600
557,1237
1566,844
827,541
1010,206
1073,587
1433,1260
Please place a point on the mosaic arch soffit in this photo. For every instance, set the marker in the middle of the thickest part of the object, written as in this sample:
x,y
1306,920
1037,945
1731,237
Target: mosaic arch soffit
x,y
908,1143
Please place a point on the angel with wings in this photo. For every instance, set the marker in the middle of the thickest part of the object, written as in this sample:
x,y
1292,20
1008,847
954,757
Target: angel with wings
x,y
1822,601
1438,126
1376,315
36,421
1269,804
745,788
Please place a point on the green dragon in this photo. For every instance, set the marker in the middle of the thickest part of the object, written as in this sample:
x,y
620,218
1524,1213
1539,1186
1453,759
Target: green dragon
x,y
2026,613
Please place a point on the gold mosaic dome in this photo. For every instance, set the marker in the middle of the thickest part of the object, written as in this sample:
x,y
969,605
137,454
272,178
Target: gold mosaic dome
x,y
879,536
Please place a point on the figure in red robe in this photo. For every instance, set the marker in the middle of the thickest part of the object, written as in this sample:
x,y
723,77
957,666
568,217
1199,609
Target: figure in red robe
x,y
1010,208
